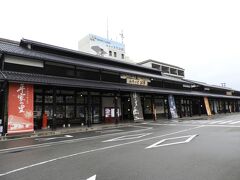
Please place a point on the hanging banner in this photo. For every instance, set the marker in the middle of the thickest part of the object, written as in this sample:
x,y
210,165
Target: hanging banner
x,y
20,108
215,107
136,107
172,107
206,102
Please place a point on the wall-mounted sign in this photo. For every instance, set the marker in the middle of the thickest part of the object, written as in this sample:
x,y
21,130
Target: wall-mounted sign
x,y
229,93
20,108
136,80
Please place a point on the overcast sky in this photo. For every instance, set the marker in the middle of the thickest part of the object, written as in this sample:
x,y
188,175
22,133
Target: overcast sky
x,y
202,36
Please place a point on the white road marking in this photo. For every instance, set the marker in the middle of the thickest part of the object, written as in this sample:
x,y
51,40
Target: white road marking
x,y
92,178
52,138
215,122
69,141
159,143
165,124
236,122
225,122
94,150
223,126
109,131
127,137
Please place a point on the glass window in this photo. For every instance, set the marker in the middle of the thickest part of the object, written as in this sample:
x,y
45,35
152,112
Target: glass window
x,y
37,90
147,106
87,73
80,98
122,56
57,69
69,111
48,99
67,92
48,91
110,53
96,100
59,99
49,111
38,98
115,54
37,111
60,112
155,66
69,99
96,114
80,112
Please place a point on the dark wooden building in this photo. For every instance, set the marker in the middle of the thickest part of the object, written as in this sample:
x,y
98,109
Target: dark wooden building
x,y
74,88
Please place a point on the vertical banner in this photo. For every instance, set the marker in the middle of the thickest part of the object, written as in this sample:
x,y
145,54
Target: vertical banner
x,y
172,107
206,102
215,107
136,107
20,108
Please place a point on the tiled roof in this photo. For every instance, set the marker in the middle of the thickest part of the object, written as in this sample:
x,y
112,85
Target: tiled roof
x,y
21,51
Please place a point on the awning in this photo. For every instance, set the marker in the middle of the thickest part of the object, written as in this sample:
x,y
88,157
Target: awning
x,y
40,79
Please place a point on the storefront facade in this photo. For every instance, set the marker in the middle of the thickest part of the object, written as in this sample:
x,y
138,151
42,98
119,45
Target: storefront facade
x,y
69,88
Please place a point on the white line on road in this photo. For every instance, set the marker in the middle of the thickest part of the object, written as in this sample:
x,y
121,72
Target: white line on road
x,y
69,141
163,124
225,122
236,122
216,122
94,150
53,138
92,178
127,137
159,143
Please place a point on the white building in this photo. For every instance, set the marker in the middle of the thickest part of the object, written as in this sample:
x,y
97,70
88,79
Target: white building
x,y
167,69
97,45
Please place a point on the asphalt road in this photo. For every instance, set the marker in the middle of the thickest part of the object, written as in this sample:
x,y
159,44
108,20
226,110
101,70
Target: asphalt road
x,y
188,150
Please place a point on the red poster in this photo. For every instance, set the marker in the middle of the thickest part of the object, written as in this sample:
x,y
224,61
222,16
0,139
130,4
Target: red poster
x,y
20,108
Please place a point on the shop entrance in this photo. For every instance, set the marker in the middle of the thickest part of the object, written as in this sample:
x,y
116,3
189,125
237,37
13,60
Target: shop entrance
x,y
126,109
184,106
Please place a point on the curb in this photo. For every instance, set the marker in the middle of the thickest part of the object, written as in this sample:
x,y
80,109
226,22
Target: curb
x,y
63,131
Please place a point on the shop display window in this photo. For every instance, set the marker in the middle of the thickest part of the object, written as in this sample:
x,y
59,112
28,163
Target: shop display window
x,y
69,111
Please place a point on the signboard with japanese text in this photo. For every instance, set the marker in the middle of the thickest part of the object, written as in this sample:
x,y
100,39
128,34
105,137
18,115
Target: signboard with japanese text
x,y
135,80
20,108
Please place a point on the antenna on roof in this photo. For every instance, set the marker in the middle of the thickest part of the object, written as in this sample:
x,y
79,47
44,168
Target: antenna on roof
x,y
107,27
122,36
223,84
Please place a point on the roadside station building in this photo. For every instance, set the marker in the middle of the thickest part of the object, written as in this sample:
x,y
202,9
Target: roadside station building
x,y
71,88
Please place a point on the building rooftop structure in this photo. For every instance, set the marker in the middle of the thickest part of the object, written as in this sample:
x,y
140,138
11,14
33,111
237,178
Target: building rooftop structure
x,y
97,45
